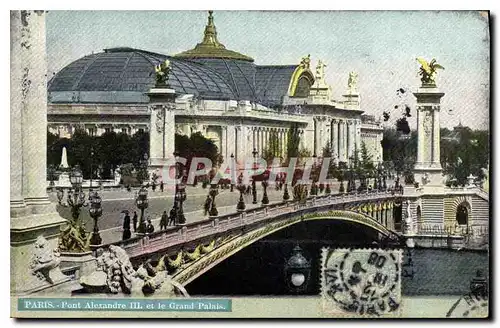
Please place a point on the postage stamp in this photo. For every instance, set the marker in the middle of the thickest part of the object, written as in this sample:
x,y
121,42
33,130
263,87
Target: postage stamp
x,y
364,282
258,164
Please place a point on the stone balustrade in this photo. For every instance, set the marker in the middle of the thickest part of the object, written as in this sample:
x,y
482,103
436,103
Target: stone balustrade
x,y
162,240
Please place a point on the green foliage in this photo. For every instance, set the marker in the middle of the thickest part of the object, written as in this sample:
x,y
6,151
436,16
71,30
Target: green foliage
x,y
293,143
197,146
463,151
273,148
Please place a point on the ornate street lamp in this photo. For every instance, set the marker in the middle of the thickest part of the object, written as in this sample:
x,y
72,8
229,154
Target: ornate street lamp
x,y
91,165
180,192
265,199
297,271
142,203
95,212
232,172
213,212
254,187
241,187
76,197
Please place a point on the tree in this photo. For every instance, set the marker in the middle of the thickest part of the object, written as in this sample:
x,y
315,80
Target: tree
x,y
272,150
293,143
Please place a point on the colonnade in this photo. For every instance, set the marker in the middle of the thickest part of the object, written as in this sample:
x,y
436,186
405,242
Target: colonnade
x,y
344,136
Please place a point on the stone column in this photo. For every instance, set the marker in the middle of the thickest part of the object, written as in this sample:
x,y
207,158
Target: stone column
x,y
335,139
317,136
428,167
161,128
17,103
242,143
223,143
231,140
358,137
350,139
342,141
34,108
35,219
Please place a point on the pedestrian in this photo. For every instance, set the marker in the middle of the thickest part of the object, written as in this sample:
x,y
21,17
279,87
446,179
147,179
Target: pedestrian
x,y
208,204
126,221
153,187
134,221
149,227
173,215
161,185
126,234
164,220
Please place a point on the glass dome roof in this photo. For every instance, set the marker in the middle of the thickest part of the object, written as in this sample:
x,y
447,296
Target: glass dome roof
x,y
131,71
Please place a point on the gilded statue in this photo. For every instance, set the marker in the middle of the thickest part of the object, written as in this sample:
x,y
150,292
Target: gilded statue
x,y
162,71
428,71
306,62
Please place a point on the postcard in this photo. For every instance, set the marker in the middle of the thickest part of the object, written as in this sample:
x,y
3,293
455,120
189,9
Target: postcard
x,y
250,164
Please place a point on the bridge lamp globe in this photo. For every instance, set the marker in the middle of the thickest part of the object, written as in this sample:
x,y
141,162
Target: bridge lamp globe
x,y
297,271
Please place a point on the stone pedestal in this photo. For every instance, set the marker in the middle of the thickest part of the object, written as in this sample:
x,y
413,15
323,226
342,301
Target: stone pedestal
x,y
352,99
162,129
428,170
35,225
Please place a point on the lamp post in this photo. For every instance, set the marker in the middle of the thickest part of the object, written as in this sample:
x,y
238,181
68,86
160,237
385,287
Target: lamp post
x,y
213,212
91,165
254,187
142,203
265,199
76,197
286,195
232,172
180,191
241,188
341,188
95,212
297,271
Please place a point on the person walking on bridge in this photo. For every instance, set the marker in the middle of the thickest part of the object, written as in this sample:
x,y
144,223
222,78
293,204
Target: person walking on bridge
x,y
134,221
164,220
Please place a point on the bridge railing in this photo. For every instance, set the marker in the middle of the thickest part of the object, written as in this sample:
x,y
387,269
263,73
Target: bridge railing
x,y
163,239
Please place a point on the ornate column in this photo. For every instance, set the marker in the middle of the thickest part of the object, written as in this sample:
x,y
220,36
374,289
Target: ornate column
x,y
334,139
162,127
34,225
241,132
223,143
342,141
317,139
231,140
428,167
254,138
350,139
358,136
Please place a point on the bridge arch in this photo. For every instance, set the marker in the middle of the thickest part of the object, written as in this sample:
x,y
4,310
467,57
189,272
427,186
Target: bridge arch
x,y
208,261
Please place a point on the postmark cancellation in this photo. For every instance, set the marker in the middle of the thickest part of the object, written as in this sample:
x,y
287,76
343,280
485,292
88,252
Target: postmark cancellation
x,y
361,282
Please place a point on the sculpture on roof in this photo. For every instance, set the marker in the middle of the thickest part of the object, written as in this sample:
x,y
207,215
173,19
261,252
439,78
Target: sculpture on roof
x,y
352,82
162,71
320,71
305,62
428,71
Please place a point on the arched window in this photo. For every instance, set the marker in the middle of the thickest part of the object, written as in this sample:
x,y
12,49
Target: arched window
x,y
419,214
303,87
462,214
397,214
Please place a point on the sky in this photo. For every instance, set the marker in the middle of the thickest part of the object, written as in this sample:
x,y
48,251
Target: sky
x,y
380,46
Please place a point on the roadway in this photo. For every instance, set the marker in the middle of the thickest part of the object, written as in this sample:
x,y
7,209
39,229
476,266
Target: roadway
x,y
114,202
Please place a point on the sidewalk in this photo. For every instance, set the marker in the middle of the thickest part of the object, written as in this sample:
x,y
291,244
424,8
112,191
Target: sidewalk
x,y
115,234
